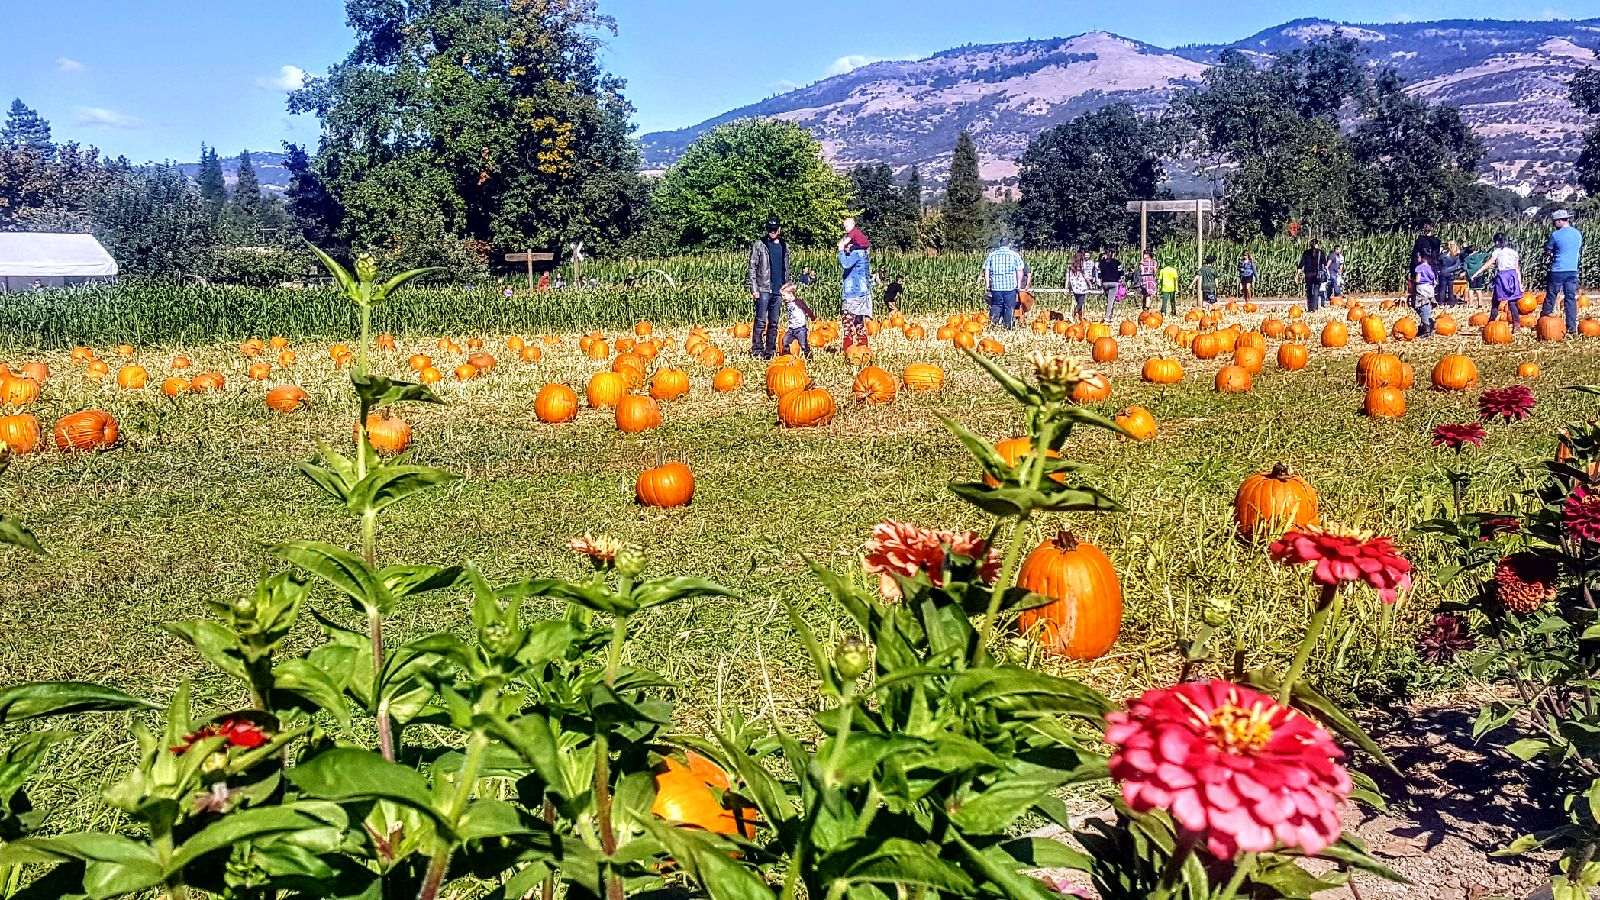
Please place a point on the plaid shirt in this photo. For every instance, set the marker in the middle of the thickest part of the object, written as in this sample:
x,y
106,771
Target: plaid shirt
x,y
1005,269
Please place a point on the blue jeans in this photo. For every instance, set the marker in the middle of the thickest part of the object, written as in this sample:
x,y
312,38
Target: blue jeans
x,y
1078,301
800,335
1003,308
1313,296
1424,307
1563,283
764,334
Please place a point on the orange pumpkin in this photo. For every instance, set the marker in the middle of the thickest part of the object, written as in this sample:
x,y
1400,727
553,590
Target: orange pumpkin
x,y
19,432
1137,422
1250,359
1085,615
1406,328
1548,328
277,343
636,413
419,361
697,796
1385,403
90,429
466,372
1528,371
665,486
1014,451
1335,334
1233,380
286,398
1445,325
874,385
1104,350
727,380
1093,389
1589,327
1162,370
430,375
1273,501
174,386
1497,332
385,341
1293,357
40,372
669,384
1455,372
1372,330
260,371
181,362
17,390
132,377
1376,369
483,362
605,389
388,435
556,403
806,408
529,353
922,377
785,378
1128,328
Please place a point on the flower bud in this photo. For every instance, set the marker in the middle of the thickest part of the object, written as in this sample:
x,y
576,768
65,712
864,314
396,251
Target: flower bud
x,y
1052,369
852,658
366,267
1216,611
630,561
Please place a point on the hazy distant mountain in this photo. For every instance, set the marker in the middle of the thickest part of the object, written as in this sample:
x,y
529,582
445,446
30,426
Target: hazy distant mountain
x,y
270,172
1508,78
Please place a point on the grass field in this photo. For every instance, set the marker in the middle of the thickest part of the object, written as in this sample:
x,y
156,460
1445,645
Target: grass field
x,y
181,512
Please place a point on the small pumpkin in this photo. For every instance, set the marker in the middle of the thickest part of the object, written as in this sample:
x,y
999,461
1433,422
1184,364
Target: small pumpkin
x,y
1014,450
726,380
922,378
1272,502
1251,359
132,377
530,353
89,429
175,386
1104,350
286,398
806,408
1084,617
1454,372
387,434
181,362
1093,389
555,403
207,383
1162,370
1497,332
1550,328
1385,403
636,413
874,385
1589,327
430,375
698,795
1528,371
669,384
1372,330
483,362
419,361
19,432
1233,380
665,486
1293,357
260,371
1445,325
605,389
1137,422
466,372
287,358
40,372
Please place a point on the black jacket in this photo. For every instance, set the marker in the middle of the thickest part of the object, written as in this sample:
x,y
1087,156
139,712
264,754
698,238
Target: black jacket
x,y
1314,262
1110,271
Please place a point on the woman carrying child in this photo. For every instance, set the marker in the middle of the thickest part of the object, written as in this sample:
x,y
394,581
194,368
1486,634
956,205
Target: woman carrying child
x,y
856,308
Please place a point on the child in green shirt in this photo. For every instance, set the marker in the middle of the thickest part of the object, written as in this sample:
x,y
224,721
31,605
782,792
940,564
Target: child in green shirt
x,y
1168,278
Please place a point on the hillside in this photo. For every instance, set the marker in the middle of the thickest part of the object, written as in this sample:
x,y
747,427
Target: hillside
x,y
270,172
1507,78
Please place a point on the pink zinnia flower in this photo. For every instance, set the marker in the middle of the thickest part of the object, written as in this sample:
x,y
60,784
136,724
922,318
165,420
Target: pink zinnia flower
x,y
1343,558
1457,437
237,732
1235,770
1513,404
899,548
1581,514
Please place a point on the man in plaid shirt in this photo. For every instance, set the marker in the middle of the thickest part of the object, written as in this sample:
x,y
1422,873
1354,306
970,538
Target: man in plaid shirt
x,y
1004,274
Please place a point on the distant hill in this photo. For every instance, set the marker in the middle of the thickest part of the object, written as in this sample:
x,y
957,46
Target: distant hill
x,y
269,167
1508,78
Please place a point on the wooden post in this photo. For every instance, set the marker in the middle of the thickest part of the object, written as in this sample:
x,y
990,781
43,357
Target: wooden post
x,y
530,270
530,258
1199,250
1144,229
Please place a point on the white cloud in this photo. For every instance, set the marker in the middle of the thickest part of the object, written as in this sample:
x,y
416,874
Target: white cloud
x,y
289,78
68,64
847,64
100,117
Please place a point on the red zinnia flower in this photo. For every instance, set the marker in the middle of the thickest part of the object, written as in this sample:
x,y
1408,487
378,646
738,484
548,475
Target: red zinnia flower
x,y
1523,582
1512,404
1447,637
1234,769
1488,528
235,731
1346,558
1458,436
1581,514
898,548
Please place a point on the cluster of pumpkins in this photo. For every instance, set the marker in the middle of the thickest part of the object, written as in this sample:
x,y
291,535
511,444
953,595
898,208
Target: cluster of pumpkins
x,y
20,431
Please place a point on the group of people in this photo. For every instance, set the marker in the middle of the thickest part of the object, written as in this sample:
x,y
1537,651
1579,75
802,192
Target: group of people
x,y
775,293
1436,267
1006,277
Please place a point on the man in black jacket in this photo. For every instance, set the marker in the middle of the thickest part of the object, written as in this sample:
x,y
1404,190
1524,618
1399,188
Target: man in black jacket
x,y
769,272
1313,271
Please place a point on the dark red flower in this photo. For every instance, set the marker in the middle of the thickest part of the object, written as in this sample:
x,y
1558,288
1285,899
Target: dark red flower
x,y
1235,770
1446,637
1496,525
236,732
1346,558
1581,514
1458,436
898,548
1513,404
1524,582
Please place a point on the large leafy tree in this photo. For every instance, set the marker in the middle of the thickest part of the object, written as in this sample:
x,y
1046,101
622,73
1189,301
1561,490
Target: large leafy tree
x,y
737,175
887,217
484,123
312,211
1076,177
1584,92
27,129
153,221
965,218
1418,160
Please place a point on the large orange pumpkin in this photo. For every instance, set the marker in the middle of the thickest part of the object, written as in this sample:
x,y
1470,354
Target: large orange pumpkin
x,y
803,408
697,796
786,378
669,384
1376,369
1251,359
1272,501
665,486
1589,327
286,398
1445,325
605,389
1335,334
40,372
923,377
636,413
1372,330
1162,370
1093,389
20,432
90,429
1548,328
1497,332
207,383
874,385
1455,372
18,390
1085,615
555,403
1207,346
1385,403
1293,357
1104,350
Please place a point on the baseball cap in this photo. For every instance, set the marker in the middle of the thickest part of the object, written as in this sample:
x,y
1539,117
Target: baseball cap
x,y
1560,214
773,224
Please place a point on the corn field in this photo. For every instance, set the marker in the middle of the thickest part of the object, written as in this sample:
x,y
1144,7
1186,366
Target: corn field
x,y
676,290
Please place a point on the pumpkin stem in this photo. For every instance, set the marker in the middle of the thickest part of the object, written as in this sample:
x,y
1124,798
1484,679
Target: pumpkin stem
x,y
1065,541
1280,472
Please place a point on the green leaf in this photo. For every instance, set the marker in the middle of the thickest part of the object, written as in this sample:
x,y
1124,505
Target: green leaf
x,y
331,482
346,774
981,450
405,581
16,534
709,861
497,818
304,679
377,392
657,591
215,643
241,826
394,284
1010,383
1002,872
1005,801
589,596
347,282
388,485
1048,853
58,698
893,861
535,741
113,865
1528,748
340,569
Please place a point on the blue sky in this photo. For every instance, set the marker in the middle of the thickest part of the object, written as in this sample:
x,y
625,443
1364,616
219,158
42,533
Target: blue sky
x,y
153,78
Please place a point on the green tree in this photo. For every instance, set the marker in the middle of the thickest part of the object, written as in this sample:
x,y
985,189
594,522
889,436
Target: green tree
x,y
1321,78
737,175
1420,160
312,211
26,128
964,218
885,215
247,189
213,187
457,127
1584,92
153,221
1076,177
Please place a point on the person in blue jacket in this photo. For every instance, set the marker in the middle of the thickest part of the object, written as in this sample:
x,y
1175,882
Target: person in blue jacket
x,y
856,307
1565,247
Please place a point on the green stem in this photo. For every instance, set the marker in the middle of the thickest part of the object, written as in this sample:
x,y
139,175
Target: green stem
x,y
366,338
602,753
1243,870
1319,620
381,713
1172,872
1032,475
847,705
470,767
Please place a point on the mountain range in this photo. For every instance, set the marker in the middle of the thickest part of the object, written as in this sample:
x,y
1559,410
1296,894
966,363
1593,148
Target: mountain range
x,y
1507,78
269,168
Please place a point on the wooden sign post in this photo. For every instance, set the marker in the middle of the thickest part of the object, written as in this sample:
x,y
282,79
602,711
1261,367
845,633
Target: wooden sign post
x,y
530,258
1199,207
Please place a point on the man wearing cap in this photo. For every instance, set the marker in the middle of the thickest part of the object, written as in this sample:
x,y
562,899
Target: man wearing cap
x,y
769,272
1566,246
1005,275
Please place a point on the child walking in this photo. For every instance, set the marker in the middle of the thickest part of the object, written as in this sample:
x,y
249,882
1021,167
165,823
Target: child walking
x,y
1078,283
1427,288
798,321
1507,287
1169,290
1207,280
1147,279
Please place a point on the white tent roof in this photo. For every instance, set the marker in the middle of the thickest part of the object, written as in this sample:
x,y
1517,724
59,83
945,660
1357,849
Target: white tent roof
x,y
33,255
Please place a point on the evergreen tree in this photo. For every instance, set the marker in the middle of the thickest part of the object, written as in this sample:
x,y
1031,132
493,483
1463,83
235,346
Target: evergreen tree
x,y
247,189
1584,93
213,188
311,209
26,129
911,206
882,205
965,219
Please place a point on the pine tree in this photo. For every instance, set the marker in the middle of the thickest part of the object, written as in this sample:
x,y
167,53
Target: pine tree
x,y
247,189
965,220
911,205
213,189
312,210
26,128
